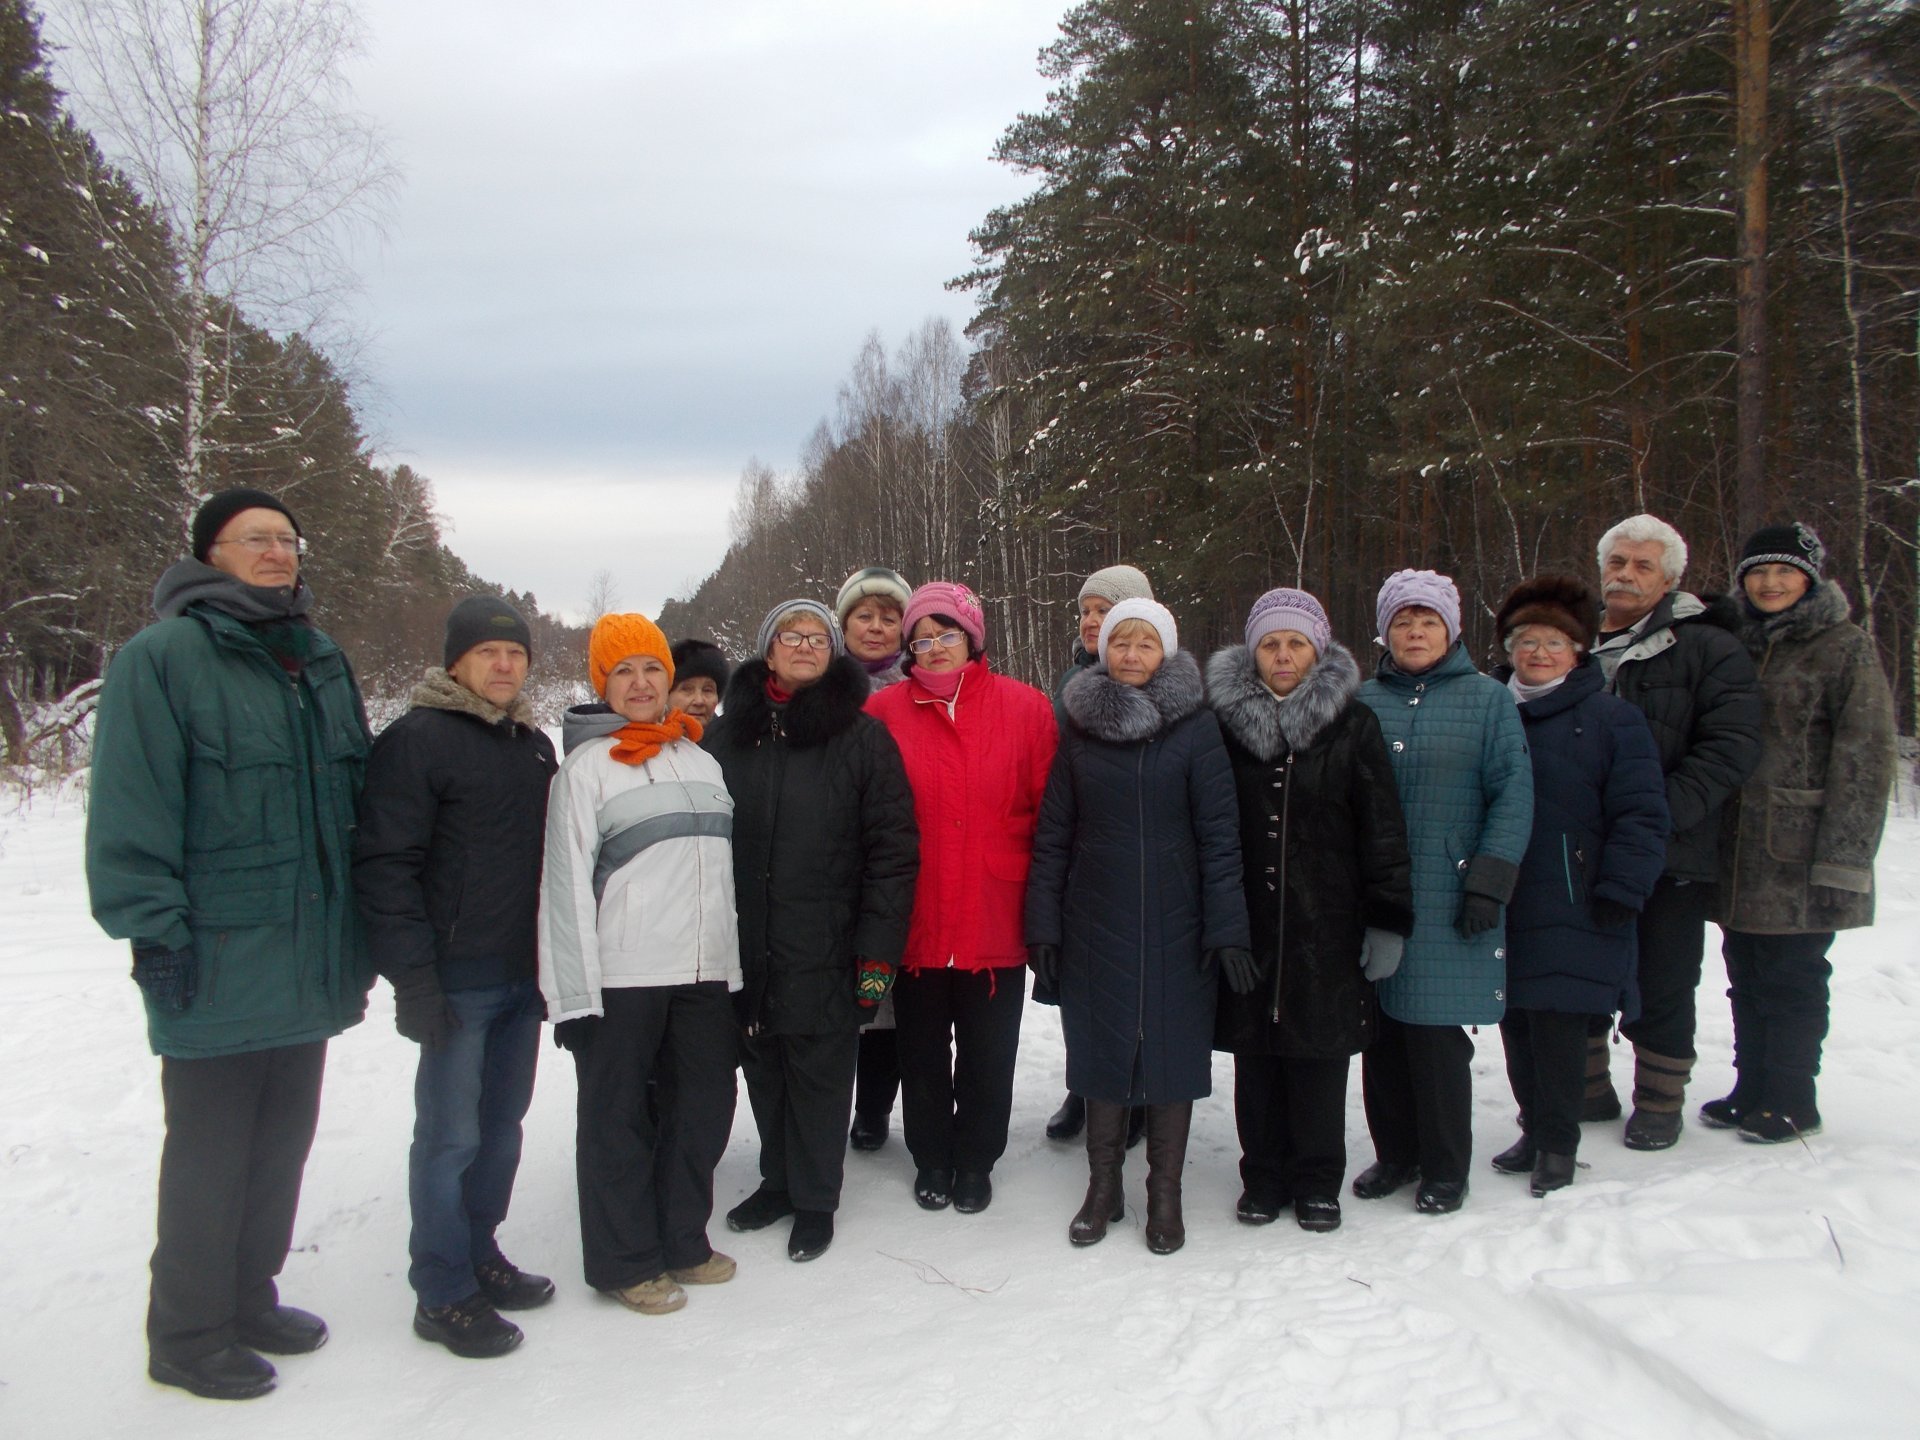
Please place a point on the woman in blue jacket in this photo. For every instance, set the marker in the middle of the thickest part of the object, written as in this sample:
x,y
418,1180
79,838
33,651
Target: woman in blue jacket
x,y
1599,843
1460,762
1134,901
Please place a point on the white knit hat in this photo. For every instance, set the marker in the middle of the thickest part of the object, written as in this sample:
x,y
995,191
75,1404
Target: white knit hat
x,y
1151,611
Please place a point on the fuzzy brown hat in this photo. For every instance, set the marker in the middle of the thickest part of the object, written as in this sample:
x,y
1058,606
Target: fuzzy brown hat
x,y
1567,604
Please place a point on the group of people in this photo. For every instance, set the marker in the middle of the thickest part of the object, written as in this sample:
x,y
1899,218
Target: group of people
x,y
832,867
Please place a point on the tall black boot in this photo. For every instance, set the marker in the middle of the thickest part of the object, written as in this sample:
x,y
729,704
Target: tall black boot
x,y
1167,1127
1106,1151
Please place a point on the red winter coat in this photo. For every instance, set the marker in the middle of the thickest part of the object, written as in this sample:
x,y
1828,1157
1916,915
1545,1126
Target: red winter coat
x,y
977,775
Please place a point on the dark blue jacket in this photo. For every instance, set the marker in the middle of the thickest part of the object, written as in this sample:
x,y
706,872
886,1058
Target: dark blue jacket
x,y
1600,827
1136,875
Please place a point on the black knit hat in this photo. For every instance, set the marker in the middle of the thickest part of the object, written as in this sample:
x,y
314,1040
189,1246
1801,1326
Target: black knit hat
x,y
480,618
693,659
212,517
1794,545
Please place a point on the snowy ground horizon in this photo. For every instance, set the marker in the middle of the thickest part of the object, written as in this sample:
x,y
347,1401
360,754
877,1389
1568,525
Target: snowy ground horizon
x,y
1722,1289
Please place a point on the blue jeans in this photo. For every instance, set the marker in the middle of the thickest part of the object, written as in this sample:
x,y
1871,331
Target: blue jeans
x,y
469,1098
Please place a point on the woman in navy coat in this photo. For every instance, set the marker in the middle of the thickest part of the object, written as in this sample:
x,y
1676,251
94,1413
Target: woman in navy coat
x,y
1134,902
1599,843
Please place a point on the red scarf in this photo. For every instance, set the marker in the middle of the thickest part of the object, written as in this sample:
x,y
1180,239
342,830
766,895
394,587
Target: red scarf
x,y
637,742
775,693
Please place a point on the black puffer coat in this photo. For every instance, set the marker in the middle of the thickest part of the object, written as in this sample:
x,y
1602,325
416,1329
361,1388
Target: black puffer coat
x,y
1688,673
1136,875
1324,847
453,823
825,849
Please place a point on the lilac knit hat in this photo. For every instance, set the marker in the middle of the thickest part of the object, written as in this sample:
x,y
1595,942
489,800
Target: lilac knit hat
x,y
1151,611
1289,610
956,602
1418,587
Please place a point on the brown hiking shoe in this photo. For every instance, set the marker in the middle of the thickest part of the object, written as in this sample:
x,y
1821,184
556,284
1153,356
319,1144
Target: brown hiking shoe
x,y
658,1296
716,1269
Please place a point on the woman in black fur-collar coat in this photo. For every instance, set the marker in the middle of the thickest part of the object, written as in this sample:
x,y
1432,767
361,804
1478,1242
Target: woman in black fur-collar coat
x,y
1134,901
1329,891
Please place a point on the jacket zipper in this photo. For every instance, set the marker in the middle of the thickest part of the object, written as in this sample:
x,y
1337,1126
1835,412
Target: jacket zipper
x,y
1280,949
1566,865
1140,1013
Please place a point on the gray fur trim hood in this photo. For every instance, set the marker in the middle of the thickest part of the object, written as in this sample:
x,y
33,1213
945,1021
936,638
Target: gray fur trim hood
x,y
1120,714
437,690
1263,722
1820,609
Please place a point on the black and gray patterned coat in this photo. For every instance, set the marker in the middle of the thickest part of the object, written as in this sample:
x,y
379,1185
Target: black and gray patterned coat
x,y
1797,848
1136,876
1323,845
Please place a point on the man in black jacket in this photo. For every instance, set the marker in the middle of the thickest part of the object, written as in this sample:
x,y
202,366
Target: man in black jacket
x,y
1675,656
447,873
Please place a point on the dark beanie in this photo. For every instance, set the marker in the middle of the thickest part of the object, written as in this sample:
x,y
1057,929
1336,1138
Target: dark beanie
x,y
1794,545
695,658
212,517
480,618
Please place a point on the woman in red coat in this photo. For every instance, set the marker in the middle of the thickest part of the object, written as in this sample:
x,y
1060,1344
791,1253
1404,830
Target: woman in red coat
x,y
977,747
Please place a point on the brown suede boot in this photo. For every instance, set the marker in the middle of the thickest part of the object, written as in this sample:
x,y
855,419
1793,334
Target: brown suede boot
x,y
1659,1093
1600,1102
1167,1127
1106,1150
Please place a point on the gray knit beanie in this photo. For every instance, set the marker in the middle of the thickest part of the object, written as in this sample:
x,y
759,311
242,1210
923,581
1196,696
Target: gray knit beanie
x,y
1116,583
764,641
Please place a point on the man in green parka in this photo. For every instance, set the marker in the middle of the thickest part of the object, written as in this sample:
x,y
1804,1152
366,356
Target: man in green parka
x,y
228,753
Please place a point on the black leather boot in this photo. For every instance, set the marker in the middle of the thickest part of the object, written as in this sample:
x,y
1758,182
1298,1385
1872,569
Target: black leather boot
x,y
1106,1151
1067,1122
1167,1127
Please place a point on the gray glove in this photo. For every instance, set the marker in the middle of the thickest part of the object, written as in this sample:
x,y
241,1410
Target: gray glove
x,y
1380,953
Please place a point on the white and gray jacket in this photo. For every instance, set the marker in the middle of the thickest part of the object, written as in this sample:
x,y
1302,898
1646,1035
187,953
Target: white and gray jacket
x,y
638,885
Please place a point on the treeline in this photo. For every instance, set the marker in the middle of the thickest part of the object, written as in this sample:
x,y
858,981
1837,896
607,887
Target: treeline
x,y
93,493
1308,291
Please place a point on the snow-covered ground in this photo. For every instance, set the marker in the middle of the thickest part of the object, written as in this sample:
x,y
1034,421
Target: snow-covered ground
x,y
1719,1289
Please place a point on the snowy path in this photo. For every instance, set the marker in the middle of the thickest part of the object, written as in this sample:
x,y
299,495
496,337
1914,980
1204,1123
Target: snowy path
x,y
1718,1290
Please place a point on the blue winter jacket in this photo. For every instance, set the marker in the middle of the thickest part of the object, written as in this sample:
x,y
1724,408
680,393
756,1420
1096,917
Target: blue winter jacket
x,y
1460,759
1600,826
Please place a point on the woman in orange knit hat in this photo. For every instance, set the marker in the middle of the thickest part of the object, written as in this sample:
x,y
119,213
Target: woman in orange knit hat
x,y
638,953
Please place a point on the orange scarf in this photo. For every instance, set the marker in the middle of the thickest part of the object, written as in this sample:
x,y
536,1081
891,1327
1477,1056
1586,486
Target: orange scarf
x,y
635,743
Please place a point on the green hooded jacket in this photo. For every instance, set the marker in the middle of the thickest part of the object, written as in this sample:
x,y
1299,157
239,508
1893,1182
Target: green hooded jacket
x,y
220,819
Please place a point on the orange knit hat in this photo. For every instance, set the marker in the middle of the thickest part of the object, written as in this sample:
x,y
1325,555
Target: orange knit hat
x,y
615,637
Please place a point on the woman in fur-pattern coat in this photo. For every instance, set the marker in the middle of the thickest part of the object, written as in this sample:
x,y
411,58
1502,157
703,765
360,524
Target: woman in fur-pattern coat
x,y
1329,892
1797,850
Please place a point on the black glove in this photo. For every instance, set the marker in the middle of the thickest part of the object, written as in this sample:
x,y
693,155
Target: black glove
x,y
1611,914
170,977
575,1035
420,1010
1045,960
1478,913
1237,968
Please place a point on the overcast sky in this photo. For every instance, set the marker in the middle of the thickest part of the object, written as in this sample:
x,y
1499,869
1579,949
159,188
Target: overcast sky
x,y
640,243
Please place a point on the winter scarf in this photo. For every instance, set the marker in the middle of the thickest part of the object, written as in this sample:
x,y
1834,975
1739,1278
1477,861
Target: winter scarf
x,y
1124,714
1245,705
194,582
638,741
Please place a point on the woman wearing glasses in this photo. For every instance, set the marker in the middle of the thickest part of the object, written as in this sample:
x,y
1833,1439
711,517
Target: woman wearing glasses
x,y
1598,845
824,854
977,747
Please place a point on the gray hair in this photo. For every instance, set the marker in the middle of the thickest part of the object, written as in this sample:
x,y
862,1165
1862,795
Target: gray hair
x,y
1639,528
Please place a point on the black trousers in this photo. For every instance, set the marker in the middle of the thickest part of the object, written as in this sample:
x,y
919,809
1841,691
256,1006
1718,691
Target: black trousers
x,y
1778,986
1292,1119
238,1131
801,1090
959,1035
1417,1082
1547,1068
646,1186
878,1082
1673,943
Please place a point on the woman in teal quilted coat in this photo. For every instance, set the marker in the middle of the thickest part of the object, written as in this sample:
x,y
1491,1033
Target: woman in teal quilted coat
x,y
1460,760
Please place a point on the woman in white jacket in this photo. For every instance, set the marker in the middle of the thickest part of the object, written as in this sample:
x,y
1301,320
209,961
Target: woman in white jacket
x,y
638,953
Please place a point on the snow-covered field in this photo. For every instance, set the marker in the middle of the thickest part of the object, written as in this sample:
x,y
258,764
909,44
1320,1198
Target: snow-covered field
x,y
1719,1289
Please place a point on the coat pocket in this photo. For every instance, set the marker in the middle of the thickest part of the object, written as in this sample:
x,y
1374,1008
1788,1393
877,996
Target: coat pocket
x,y
1793,821
240,796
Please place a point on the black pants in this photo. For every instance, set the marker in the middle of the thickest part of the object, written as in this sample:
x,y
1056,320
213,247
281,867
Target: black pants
x,y
1673,942
1417,1082
1778,986
801,1090
646,1187
1292,1118
878,1081
959,1035
1547,1068
238,1131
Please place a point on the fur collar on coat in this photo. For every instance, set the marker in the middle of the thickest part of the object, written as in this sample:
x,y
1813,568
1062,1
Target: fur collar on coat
x,y
813,717
438,690
1102,707
1820,609
1267,726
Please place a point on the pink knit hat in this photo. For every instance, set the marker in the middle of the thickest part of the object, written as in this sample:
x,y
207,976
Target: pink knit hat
x,y
956,602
